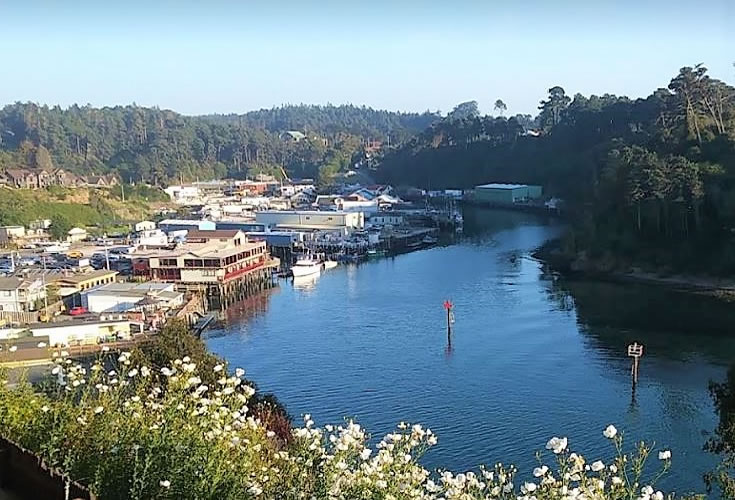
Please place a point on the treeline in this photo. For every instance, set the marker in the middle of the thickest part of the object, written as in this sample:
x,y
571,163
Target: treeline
x,y
157,146
648,179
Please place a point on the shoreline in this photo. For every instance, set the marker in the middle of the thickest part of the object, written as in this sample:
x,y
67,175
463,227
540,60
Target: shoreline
x,y
718,287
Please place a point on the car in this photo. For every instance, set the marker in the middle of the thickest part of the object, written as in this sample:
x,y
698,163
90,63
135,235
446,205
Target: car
x,y
78,311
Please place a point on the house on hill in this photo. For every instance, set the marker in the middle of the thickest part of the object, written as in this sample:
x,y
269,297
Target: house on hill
x,y
292,135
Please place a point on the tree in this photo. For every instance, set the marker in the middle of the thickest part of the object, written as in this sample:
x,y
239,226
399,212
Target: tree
x,y
60,226
464,111
42,159
500,107
722,443
552,109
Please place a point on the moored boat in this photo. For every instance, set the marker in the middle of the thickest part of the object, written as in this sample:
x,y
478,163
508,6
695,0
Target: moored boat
x,y
306,266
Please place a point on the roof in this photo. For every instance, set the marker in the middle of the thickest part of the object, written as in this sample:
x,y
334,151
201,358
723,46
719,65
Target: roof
x,y
77,230
196,234
501,186
294,134
77,278
13,283
18,172
183,222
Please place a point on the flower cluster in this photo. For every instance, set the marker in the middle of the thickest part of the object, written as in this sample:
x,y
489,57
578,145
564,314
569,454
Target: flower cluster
x,y
159,432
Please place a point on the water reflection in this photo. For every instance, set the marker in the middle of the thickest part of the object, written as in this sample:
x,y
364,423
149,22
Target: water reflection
x,y
305,283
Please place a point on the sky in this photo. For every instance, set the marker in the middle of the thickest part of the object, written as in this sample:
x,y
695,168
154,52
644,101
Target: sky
x,y
216,56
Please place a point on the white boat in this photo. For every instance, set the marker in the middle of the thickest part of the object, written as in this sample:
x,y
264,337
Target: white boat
x,y
329,264
306,266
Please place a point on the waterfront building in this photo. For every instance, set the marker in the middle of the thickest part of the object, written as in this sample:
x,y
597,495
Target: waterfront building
x,y
506,193
145,225
150,238
72,283
76,234
295,219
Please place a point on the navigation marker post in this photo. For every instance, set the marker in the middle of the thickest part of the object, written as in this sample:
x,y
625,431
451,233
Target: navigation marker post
x,y
635,351
450,319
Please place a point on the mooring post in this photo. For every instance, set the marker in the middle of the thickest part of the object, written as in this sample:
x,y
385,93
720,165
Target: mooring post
x,y
448,306
635,351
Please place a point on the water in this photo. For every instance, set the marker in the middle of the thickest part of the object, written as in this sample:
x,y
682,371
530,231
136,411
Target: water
x,y
531,357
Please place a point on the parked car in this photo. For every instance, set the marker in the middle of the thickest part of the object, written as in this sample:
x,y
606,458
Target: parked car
x,y
78,311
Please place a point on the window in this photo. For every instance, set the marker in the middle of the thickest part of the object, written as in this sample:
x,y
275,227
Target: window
x,y
209,272
168,262
211,262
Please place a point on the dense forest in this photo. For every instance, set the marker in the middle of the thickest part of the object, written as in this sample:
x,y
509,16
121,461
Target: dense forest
x,y
156,146
647,180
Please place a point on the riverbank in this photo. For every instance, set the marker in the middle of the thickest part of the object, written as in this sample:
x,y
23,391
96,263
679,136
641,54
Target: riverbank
x,y
606,269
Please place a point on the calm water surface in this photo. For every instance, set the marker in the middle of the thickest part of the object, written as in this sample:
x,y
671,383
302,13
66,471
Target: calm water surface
x,y
531,357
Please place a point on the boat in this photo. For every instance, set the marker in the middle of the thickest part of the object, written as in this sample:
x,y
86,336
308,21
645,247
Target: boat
x,y
429,240
306,266
329,264
375,253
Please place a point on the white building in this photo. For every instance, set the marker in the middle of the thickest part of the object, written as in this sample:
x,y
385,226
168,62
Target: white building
x,y
86,332
151,238
10,233
311,219
21,294
185,195
121,297
145,225
76,234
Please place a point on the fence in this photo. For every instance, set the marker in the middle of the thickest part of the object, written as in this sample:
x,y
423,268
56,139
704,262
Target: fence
x,y
28,477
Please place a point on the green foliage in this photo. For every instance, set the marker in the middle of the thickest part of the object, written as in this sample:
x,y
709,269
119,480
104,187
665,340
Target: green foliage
x,y
722,442
158,146
647,181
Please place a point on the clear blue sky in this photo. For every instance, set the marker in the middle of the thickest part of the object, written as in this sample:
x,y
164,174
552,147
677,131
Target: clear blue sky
x,y
233,56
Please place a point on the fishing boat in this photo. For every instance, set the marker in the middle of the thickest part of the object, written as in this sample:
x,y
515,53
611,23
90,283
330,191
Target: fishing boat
x,y
306,266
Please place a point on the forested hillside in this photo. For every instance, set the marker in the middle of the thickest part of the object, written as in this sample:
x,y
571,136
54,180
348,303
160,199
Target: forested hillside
x,y
156,145
645,180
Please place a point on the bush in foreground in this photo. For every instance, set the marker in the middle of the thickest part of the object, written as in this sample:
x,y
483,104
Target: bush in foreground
x,y
133,431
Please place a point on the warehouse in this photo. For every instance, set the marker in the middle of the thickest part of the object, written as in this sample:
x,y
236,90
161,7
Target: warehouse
x,y
311,219
506,193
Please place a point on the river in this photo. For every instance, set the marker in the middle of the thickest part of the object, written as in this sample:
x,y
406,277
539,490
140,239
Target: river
x,y
531,356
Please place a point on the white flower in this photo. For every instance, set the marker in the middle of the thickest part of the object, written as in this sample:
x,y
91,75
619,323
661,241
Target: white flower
x,y
166,371
617,481
647,490
664,455
56,370
597,466
528,488
557,445
45,408
98,410
610,431
658,496
105,348
132,373
239,372
540,471
613,468
217,368
186,359
164,483
365,454
13,348
64,354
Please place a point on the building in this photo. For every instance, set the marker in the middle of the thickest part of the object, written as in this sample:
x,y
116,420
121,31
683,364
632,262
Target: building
x,y
292,136
219,259
185,194
79,282
386,219
245,225
507,194
10,233
21,294
80,332
76,234
170,225
122,297
150,238
311,219
145,225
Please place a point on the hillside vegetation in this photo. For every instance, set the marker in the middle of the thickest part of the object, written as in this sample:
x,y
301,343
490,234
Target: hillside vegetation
x,y
645,180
